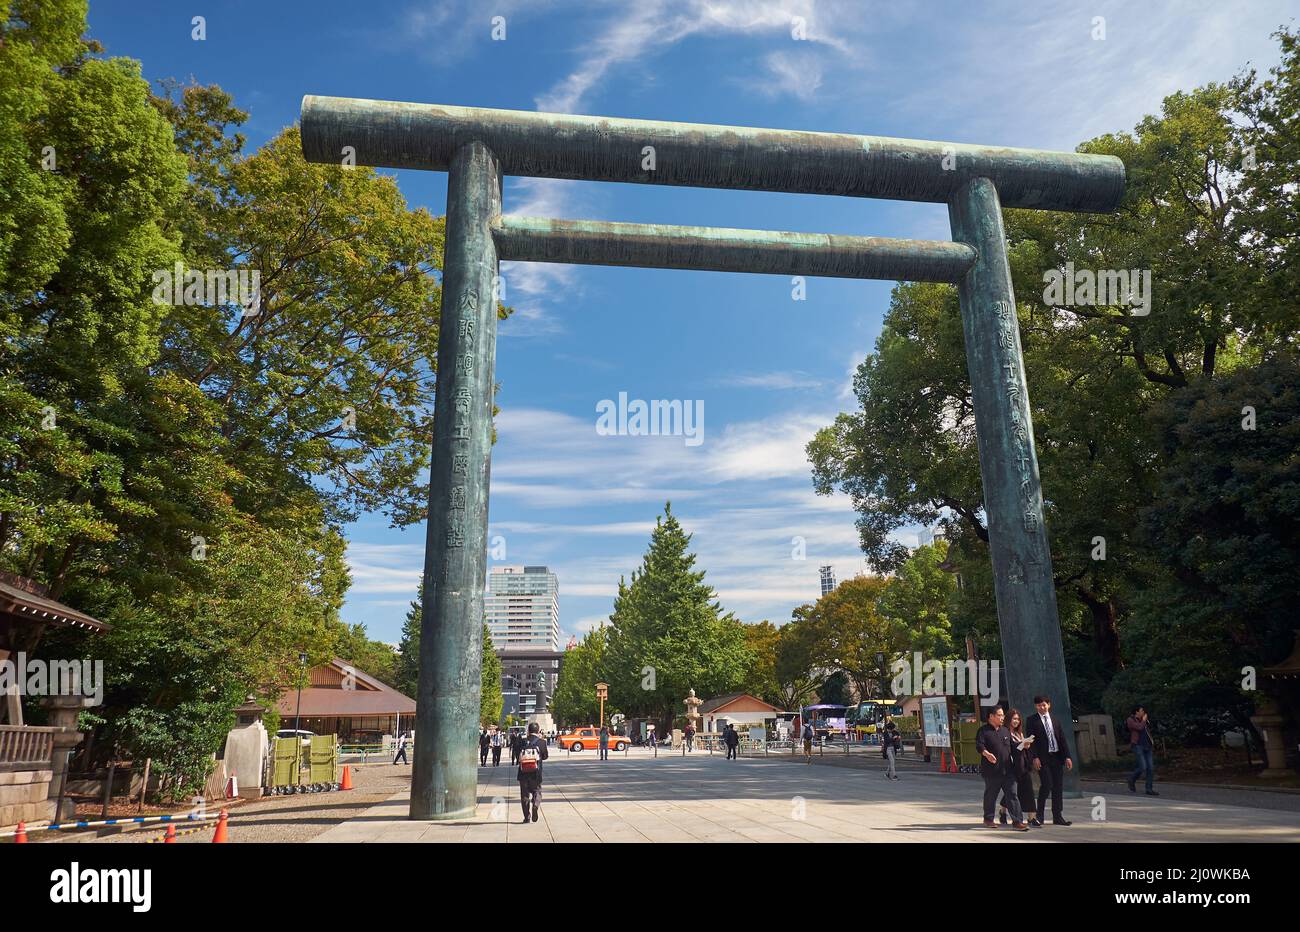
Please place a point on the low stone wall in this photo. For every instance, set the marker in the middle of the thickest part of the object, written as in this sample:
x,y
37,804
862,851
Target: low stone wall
x,y
24,796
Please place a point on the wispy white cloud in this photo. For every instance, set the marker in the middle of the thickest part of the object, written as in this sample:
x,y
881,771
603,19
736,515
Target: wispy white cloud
x,y
788,72
777,381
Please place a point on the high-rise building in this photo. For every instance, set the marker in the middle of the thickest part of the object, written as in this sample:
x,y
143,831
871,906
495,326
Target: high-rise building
x,y
522,608
828,579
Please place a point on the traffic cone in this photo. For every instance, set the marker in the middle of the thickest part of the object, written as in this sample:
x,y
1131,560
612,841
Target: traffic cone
x,y
21,837
170,837
219,836
347,779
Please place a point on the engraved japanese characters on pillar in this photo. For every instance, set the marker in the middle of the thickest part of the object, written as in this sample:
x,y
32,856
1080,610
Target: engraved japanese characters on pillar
x,y
1031,507
443,781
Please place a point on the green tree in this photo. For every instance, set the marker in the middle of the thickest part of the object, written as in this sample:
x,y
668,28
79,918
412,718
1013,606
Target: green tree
x,y
917,601
574,701
794,664
408,649
181,470
848,633
667,633
762,640
1225,526
491,701
376,658
836,689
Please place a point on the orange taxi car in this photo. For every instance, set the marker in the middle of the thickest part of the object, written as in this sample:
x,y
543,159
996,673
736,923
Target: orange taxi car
x,y
582,738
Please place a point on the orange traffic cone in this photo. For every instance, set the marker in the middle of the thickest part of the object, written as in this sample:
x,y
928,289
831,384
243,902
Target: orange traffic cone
x,y
219,835
21,837
347,779
170,837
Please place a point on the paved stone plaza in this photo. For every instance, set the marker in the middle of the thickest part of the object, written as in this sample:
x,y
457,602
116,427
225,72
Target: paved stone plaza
x,y
639,798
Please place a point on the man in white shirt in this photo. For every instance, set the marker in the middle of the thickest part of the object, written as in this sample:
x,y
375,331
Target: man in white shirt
x,y
1051,758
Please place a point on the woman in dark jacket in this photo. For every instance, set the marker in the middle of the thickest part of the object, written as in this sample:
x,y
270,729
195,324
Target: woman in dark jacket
x,y
1022,766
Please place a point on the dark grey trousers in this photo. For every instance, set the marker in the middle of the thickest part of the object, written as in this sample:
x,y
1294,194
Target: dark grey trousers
x,y
530,793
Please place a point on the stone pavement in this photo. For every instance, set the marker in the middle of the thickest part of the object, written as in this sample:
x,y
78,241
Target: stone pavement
x,y
701,798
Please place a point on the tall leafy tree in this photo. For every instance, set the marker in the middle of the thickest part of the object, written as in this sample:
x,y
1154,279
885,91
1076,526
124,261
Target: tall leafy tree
x,y
850,634
668,634
918,599
794,665
181,469
1225,527
762,639
408,649
574,701
491,700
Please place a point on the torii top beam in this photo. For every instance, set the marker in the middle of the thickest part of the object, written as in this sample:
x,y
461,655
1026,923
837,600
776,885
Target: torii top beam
x,y
392,134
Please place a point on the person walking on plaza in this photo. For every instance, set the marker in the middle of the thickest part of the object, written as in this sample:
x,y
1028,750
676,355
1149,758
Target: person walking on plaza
x,y
1020,766
496,747
484,742
993,742
1051,758
808,735
689,734
530,772
516,744
1139,739
650,735
890,741
401,749
604,743
731,738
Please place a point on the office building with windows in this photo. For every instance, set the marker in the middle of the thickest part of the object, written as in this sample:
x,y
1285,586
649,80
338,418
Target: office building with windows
x,y
522,608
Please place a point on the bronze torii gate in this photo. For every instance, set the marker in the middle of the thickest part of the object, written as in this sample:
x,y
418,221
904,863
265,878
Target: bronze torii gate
x,y
478,147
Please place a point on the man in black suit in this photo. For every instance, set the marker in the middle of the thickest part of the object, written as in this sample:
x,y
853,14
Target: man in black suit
x,y
993,743
1051,758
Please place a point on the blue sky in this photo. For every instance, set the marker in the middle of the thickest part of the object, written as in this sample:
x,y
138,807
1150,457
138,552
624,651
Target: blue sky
x,y
769,370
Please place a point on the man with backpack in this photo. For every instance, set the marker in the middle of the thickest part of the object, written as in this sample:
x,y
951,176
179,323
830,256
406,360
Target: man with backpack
x,y
401,749
530,772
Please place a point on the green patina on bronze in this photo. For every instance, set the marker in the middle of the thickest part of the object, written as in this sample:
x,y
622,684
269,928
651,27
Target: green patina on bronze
x,y
444,782
477,147
557,145
715,249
